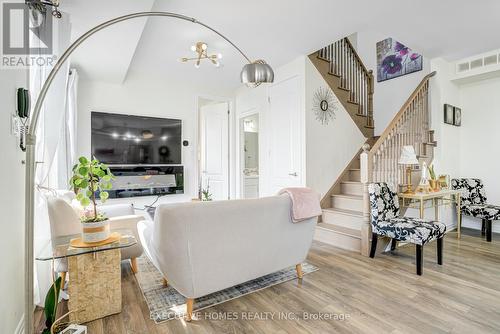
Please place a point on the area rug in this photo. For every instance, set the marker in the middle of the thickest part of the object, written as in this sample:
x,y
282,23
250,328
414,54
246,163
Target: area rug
x,y
165,303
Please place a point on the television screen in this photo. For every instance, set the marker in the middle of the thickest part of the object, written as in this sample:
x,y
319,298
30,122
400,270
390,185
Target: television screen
x,y
136,140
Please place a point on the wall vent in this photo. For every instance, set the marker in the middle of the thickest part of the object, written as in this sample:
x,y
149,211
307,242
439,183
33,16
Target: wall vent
x,y
463,67
476,63
479,62
490,60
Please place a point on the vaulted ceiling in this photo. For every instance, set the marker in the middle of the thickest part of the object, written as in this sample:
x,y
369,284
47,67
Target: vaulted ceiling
x,y
277,31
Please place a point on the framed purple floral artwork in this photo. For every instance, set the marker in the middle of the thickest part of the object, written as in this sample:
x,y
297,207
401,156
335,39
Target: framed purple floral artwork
x,y
395,59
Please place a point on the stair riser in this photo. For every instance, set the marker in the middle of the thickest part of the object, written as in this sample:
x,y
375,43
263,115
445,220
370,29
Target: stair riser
x,y
351,188
337,239
343,220
355,175
345,203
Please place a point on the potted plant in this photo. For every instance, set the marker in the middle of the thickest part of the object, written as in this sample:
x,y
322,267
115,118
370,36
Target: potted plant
x,y
90,181
205,195
433,182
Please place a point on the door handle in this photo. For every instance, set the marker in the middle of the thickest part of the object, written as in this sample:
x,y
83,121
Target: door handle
x,y
293,174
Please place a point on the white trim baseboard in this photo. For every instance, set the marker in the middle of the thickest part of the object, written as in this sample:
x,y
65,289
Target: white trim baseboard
x,y
20,326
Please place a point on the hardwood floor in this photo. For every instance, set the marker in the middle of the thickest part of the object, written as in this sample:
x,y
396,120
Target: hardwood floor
x,y
380,295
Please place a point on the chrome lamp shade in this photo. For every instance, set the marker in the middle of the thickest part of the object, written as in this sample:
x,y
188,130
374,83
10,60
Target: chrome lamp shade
x,y
255,73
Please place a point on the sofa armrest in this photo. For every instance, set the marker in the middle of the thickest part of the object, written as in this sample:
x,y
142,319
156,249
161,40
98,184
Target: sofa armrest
x,y
129,223
116,210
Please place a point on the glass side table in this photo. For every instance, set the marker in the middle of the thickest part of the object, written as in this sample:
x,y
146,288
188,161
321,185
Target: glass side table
x,y
94,285
61,249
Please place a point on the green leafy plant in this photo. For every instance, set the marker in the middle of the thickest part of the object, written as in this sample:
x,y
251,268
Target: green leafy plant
x,y
204,194
90,180
51,302
432,174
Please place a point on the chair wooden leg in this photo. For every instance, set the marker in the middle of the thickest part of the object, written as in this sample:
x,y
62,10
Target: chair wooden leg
x,y
440,250
298,268
488,230
374,245
483,227
133,265
420,258
164,282
189,309
394,243
63,279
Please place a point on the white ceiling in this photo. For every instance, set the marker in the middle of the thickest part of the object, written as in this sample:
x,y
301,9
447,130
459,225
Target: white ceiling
x,y
277,31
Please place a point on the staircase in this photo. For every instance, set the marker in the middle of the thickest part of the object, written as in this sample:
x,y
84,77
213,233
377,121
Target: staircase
x,y
343,70
345,221
343,217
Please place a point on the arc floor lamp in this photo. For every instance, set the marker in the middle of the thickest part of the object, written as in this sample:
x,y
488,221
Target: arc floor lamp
x,y
252,74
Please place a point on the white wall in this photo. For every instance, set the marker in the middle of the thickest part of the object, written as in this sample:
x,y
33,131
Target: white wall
x,y
329,148
255,100
479,138
139,96
11,206
465,151
389,95
326,149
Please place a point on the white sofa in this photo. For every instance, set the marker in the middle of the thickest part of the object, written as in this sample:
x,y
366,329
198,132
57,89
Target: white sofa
x,y
64,221
204,247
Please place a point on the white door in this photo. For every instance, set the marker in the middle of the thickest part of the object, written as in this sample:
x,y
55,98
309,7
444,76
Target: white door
x,y
285,150
214,149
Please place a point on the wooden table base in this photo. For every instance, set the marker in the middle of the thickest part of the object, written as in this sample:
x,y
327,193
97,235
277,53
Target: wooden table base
x,y
94,285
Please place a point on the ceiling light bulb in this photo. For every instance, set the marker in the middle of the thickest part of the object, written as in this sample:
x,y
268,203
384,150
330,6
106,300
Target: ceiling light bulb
x,y
137,140
164,137
203,46
219,55
217,64
197,65
183,60
127,135
114,135
193,47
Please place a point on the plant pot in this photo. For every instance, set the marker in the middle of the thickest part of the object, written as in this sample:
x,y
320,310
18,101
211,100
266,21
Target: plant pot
x,y
95,232
434,184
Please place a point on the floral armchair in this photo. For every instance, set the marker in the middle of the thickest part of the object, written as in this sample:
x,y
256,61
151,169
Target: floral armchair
x,y
385,220
474,203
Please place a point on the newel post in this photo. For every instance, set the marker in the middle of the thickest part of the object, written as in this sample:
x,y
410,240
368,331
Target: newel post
x,y
366,178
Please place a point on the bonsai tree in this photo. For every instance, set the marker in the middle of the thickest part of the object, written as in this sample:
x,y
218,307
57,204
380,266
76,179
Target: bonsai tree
x,y
90,180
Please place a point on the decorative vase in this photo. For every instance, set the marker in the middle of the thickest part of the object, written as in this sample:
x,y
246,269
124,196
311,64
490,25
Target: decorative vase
x,y
434,184
95,231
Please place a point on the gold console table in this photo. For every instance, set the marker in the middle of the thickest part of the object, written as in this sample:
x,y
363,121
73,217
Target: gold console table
x,y
443,196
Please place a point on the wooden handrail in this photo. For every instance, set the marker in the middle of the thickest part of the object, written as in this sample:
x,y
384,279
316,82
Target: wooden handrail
x,y
400,114
354,76
357,56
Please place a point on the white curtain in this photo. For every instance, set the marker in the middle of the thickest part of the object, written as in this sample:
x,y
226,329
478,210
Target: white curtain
x,y
49,137
67,144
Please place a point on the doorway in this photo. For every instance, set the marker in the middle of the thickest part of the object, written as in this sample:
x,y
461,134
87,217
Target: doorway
x,y
249,153
213,158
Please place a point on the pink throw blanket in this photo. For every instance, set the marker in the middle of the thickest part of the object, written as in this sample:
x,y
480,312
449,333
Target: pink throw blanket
x,y
305,203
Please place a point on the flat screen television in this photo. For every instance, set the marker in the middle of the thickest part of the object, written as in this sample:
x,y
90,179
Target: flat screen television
x,y
136,140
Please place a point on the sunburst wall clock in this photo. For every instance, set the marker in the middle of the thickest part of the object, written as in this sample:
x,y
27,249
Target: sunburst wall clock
x,y
325,105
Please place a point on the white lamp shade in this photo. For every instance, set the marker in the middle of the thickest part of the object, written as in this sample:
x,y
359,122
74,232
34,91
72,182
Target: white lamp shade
x,y
408,156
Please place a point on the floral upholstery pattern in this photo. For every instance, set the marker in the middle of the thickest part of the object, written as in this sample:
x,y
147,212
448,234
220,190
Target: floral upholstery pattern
x,y
474,200
384,205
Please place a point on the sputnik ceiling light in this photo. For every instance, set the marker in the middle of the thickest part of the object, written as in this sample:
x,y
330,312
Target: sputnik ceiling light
x,y
201,50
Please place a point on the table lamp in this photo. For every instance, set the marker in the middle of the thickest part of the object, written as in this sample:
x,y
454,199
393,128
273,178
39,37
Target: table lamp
x,y
408,158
